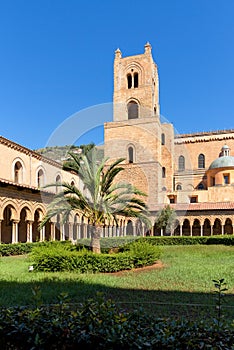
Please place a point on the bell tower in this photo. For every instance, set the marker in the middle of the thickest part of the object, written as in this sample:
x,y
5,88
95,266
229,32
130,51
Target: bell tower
x,y
136,133
136,86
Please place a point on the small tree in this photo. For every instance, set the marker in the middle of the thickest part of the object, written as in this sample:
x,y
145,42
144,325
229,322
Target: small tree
x,y
104,198
166,219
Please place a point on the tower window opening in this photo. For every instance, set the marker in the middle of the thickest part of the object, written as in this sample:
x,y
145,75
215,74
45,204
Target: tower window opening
x,y
135,80
163,172
40,178
130,154
163,139
133,110
178,188
129,80
226,179
201,161
181,162
18,172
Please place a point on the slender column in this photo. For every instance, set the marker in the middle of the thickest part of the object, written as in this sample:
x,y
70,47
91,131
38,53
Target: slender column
x,y
85,230
15,231
78,231
233,229
191,230
42,234
222,229
181,230
114,231
211,230
29,231
161,231
201,230
70,235
62,232
134,230
52,230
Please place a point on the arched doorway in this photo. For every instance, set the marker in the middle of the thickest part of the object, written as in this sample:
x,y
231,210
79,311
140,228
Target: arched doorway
x,y
186,228
196,229
207,228
22,227
35,230
7,225
217,228
129,228
228,228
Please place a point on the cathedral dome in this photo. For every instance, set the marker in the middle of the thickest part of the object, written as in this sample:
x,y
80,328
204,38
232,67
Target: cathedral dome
x,y
222,162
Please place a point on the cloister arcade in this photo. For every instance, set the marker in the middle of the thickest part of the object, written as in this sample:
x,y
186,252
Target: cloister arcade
x,y
19,223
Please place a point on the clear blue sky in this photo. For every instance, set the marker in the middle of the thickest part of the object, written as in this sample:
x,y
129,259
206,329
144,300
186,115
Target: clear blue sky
x,y
56,58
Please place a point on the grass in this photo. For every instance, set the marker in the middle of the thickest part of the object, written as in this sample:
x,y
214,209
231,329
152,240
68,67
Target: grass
x,y
183,287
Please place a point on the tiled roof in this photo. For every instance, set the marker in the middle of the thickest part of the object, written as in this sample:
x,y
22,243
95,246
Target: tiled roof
x,y
198,206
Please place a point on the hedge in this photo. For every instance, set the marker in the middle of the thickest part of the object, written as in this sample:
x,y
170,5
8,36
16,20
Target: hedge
x,y
60,258
188,240
99,324
115,243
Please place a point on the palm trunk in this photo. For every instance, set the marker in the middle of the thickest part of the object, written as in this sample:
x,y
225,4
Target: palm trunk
x,y
95,239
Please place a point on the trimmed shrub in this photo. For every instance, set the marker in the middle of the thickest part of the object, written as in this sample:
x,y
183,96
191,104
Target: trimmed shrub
x,y
99,324
61,258
182,240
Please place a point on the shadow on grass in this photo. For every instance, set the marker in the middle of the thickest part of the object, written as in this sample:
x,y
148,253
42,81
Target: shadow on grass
x,y
190,305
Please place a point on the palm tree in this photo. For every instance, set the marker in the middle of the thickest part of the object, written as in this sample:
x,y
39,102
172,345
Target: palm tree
x,y
104,198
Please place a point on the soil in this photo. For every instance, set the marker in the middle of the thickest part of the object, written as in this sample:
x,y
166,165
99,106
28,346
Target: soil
x,y
157,265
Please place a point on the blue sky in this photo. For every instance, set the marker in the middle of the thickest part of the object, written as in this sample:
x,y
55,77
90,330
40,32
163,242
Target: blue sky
x,y
57,59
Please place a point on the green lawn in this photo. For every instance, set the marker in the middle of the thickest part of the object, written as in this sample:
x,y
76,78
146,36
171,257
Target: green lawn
x,y
183,287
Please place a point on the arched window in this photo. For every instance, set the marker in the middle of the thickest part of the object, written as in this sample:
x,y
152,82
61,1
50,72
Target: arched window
x,y
163,139
163,172
200,186
58,181
18,172
129,81
133,110
201,161
40,178
178,188
73,183
181,162
130,154
135,78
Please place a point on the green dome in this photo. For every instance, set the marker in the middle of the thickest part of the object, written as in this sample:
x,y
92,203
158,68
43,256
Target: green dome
x,y
222,162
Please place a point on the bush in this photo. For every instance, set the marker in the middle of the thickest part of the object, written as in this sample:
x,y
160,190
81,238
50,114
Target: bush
x,y
26,248
62,258
99,324
188,240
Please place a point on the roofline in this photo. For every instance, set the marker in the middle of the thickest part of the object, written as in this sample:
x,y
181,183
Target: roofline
x,y
27,151
205,133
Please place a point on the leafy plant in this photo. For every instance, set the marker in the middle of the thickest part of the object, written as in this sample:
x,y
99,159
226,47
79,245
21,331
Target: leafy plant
x,y
220,288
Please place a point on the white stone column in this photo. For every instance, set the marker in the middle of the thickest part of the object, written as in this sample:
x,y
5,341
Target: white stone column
x,y
211,230
42,234
15,234
52,230
201,230
161,231
181,230
62,232
29,231
70,231
222,229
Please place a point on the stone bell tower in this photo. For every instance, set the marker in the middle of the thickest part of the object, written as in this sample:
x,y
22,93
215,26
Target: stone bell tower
x,y
136,86
136,132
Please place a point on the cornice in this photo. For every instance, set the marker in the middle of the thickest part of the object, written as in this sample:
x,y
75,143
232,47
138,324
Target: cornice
x,y
29,152
204,136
